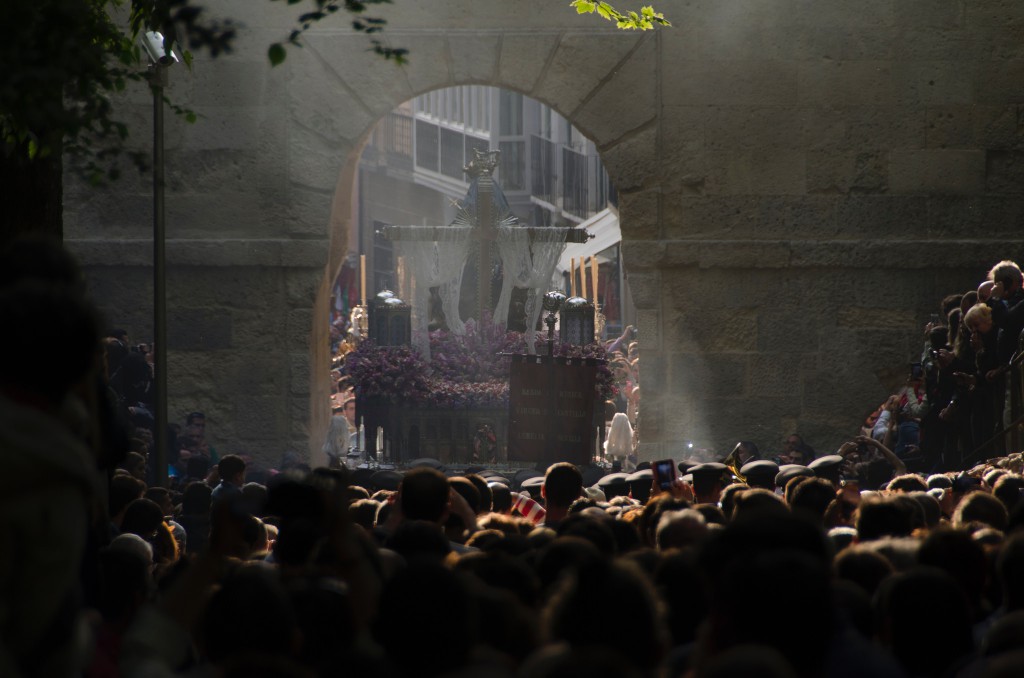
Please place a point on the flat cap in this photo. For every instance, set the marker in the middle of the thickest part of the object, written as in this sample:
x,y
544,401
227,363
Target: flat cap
x,y
686,464
789,471
761,472
825,464
708,470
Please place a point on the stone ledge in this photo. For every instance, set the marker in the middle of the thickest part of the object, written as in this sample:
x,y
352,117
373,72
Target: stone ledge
x,y
841,254
219,253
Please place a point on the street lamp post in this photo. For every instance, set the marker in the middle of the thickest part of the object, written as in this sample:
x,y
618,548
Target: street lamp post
x,y
160,59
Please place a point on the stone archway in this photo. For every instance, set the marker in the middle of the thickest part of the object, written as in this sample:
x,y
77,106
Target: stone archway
x,y
612,100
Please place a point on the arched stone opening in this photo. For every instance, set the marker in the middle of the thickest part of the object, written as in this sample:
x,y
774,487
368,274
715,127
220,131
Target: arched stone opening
x,y
625,144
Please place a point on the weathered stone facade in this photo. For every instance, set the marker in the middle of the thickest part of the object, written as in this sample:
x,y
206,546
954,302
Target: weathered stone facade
x,y
800,182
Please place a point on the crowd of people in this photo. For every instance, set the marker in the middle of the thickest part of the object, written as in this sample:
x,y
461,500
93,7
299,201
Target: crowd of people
x,y
861,562
954,405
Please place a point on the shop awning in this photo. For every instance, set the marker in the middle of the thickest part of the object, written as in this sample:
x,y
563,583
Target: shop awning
x,y
605,228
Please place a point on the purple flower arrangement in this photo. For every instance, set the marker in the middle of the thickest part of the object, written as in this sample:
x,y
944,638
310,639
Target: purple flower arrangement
x,y
465,371
397,373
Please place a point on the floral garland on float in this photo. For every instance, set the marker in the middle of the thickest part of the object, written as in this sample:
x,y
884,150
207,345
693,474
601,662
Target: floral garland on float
x,y
465,371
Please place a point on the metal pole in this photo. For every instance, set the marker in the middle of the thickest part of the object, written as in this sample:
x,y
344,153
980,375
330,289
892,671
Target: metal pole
x,y
158,81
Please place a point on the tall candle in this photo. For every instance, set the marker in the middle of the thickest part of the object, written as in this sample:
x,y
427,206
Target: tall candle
x,y
572,277
583,277
362,278
593,278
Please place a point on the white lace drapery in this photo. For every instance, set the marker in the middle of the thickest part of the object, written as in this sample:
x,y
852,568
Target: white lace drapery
x,y
528,259
439,264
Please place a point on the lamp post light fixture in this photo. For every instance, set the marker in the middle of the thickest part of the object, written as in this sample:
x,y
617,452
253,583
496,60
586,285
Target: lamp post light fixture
x,y
160,59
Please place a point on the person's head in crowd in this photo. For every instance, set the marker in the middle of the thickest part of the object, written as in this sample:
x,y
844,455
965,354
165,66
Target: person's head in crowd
x,y
135,464
954,322
1007,275
707,482
1010,570
581,505
873,474
865,567
728,496
713,515
423,495
348,408
680,529
650,516
124,489
231,469
912,508
563,484
792,482
963,485
955,552
992,476
908,482
195,499
356,492
760,473
609,411
938,338
967,301
560,557
842,537
829,467
161,496
879,517
454,526
125,582
979,319
1008,490
324,612
145,519
746,565
813,497
428,622
52,341
981,507
931,507
950,302
746,451
364,512
677,579
940,480
796,451
196,421
925,621
594,528
581,605
501,498
255,496
757,501
250,614
504,572
482,488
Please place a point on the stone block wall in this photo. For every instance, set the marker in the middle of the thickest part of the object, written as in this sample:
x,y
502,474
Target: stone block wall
x,y
800,183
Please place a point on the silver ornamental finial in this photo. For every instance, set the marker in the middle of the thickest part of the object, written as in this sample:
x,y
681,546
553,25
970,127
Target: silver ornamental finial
x,y
483,163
